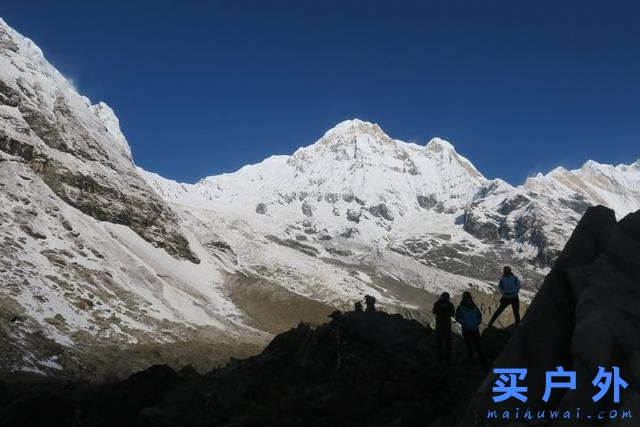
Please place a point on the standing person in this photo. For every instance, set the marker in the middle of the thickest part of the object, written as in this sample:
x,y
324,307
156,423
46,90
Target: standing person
x,y
469,316
370,303
509,287
444,311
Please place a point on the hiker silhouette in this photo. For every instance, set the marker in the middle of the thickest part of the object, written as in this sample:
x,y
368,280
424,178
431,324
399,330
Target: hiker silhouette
x,y
469,317
444,311
509,286
370,302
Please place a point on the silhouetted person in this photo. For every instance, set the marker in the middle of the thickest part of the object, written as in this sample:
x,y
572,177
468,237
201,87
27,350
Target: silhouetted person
x,y
357,306
370,302
444,311
509,287
469,317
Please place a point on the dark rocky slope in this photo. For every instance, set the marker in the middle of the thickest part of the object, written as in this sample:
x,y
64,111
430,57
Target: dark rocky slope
x,y
584,316
358,369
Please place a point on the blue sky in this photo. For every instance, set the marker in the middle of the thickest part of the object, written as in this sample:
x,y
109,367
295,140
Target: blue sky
x,y
206,87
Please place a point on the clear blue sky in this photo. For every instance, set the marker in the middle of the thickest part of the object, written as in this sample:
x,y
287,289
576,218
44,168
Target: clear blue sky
x,y
203,88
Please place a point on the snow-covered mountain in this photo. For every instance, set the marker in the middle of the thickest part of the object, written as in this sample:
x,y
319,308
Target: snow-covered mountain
x,y
100,276
536,219
106,268
358,186
354,180
89,254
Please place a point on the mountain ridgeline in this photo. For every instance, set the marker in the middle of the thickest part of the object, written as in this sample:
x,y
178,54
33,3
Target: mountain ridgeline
x,y
358,185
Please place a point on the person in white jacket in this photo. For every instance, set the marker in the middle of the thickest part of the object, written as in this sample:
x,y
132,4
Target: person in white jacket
x,y
509,287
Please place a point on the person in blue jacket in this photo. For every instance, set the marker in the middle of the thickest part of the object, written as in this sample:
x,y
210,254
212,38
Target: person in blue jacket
x,y
469,316
509,287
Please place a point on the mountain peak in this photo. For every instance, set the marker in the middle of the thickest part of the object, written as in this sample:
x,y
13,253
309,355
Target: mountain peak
x,y
560,170
439,144
112,126
352,123
351,129
591,166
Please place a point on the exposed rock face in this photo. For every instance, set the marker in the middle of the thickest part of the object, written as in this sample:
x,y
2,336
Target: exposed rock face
x,y
307,209
584,316
295,244
353,215
577,202
381,211
75,147
427,202
509,205
487,228
349,233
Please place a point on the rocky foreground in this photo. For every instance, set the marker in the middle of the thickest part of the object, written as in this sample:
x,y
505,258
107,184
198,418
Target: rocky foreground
x,y
358,369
